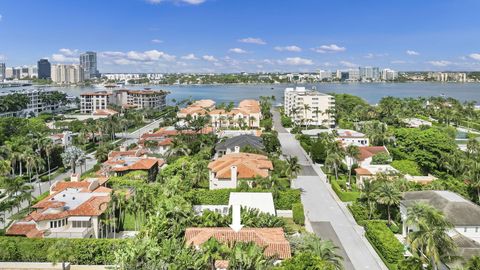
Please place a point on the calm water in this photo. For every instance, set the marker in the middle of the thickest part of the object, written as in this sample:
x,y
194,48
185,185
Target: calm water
x,y
371,92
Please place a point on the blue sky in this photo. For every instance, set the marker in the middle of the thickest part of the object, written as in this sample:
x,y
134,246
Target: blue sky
x,y
243,35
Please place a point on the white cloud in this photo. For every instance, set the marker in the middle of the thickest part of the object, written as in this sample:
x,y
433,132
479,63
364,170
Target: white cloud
x,y
189,2
57,57
398,62
3,57
251,40
374,55
209,58
440,63
108,54
411,52
68,52
296,61
332,48
190,56
152,55
237,50
475,56
348,64
1,17
123,62
291,48
157,41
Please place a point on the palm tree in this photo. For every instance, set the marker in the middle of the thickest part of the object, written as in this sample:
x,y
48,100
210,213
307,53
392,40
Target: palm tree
x,y
327,251
369,193
212,251
248,256
430,242
293,168
473,263
251,120
317,112
353,152
48,147
333,161
388,195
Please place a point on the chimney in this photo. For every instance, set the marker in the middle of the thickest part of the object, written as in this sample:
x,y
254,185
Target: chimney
x,y
74,177
237,149
233,174
123,148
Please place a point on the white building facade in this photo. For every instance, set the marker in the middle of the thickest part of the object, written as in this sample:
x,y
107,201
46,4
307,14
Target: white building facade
x,y
309,107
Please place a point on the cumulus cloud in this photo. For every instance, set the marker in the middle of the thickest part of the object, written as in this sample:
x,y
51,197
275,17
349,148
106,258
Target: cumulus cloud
x,y
332,48
291,48
152,55
440,63
65,56
157,41
398,62
3,57
237,50
475,56
296,61
188,2
411,52
1,17
68,52
190,56
209,58
348,64
252,40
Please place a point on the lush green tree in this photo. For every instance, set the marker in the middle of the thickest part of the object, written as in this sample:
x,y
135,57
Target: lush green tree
x,y
473,263
388,195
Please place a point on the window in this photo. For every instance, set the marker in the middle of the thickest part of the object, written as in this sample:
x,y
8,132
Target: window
x,y
465,229
476,229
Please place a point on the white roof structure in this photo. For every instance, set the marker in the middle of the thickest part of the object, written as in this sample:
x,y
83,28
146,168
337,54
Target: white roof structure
x,y
315,132
263,201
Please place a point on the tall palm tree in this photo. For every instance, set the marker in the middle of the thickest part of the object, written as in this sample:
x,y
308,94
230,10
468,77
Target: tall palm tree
x,y
293,167
388,195
430,242
306,108
369,193
353,152
248,256
327,251
213,250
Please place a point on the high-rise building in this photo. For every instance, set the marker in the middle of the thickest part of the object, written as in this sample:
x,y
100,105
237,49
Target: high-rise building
x,y
44,69
67,74
309,107
369,73
389,75
88,61
3,70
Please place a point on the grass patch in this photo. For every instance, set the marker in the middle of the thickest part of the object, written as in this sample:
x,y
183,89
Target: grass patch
x,y
345,196
291,227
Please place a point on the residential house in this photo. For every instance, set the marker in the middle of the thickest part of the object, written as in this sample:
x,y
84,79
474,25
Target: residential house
x,y
235,144
368,173
227,170
416,122
72,210
122,162
366,170
463,214
272,239
64,139
247,114
199,107
351,137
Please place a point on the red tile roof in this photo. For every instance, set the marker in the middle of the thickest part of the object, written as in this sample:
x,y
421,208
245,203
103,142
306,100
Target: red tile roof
x,y
24,229
273,239
369,151
362,171
248,165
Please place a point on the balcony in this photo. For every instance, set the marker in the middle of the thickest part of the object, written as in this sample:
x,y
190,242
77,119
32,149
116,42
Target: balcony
x,y
69,232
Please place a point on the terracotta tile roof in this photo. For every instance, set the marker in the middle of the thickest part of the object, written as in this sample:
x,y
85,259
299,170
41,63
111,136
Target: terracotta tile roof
x,y
26,229
362,171
250,105
221,264
128,153
142,164
369,151
95,94
248,165
273,239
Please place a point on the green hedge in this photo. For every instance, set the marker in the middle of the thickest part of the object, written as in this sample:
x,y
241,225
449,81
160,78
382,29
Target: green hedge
x,y
384,240
85,251
345,196
283,201
359,212
298,214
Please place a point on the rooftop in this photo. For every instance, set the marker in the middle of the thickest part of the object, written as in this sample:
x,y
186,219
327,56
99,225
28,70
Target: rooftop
x,y
458,210
273,239
248,166
241,141
370,151
263,201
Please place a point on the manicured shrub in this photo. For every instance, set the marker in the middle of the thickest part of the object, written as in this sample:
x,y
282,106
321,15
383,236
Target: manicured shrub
x,y
345,196
286,199
359,212
85,251
298,214
384,240
407,167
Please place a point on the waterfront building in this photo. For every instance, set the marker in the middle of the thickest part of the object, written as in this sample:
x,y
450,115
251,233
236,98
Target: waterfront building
x,y
353,75
71,210
91,102
44,69
67,74
35,105
309,107
246,114
140,99
448,76
88,61
2,72
324,75
199,107
9,73
388,74
369,73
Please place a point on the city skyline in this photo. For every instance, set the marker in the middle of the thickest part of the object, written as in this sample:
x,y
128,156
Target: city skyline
x,y
225,36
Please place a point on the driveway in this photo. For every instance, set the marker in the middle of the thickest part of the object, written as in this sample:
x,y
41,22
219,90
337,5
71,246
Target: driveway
x,y
328,216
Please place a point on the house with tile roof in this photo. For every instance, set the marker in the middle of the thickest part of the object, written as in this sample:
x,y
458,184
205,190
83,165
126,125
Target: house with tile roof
x,y
199,107
351,137
261,201
122,162
225,172
247,114
235,144
272,239
72,210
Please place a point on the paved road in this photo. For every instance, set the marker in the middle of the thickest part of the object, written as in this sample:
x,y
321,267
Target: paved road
x,y
321,205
